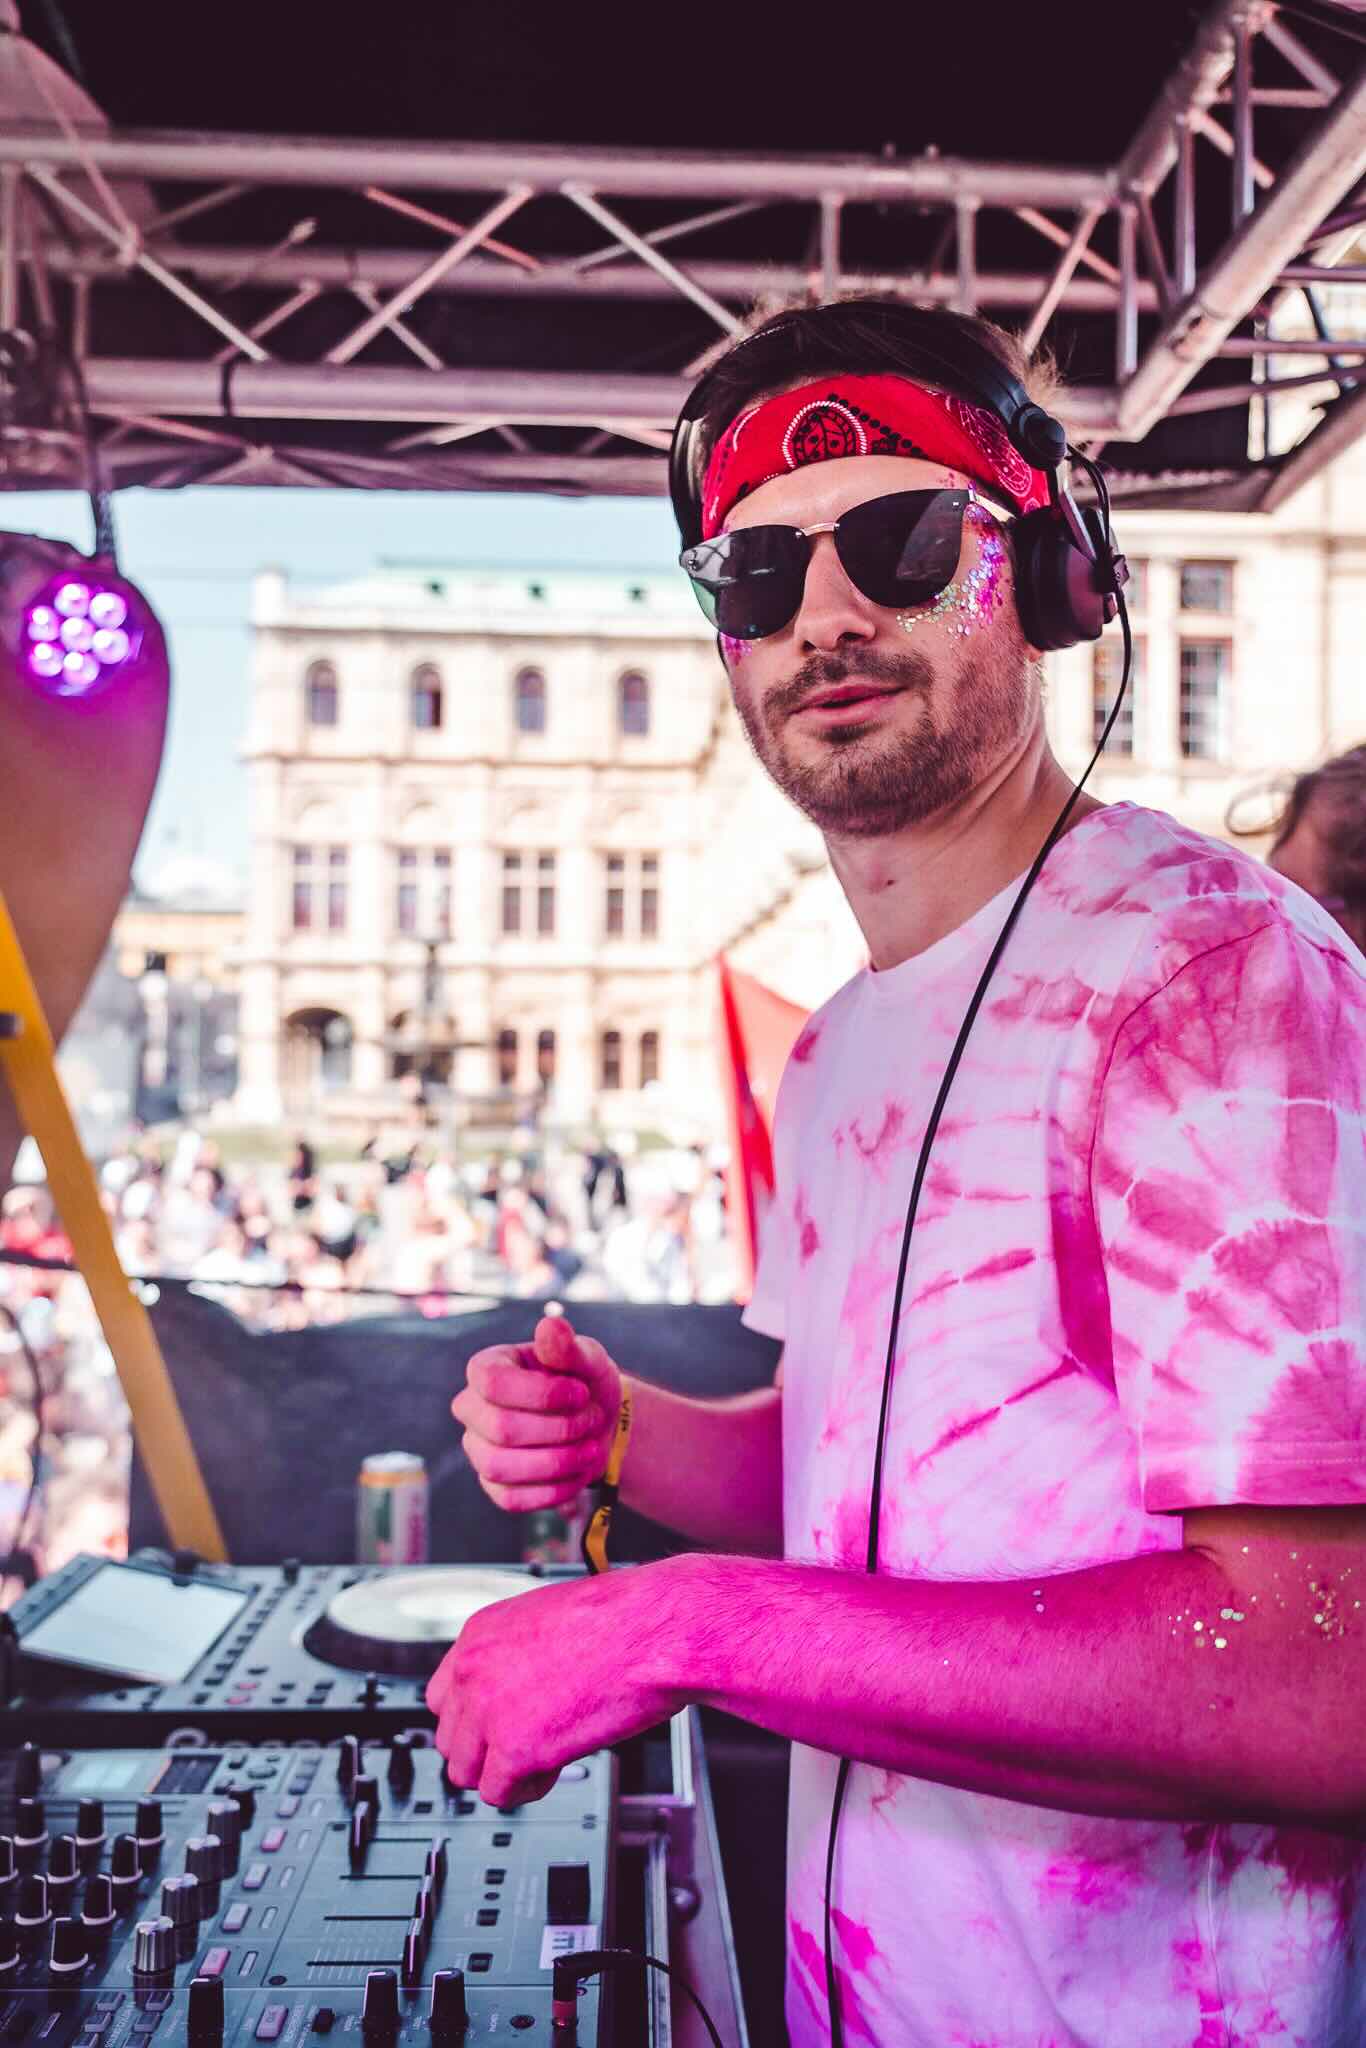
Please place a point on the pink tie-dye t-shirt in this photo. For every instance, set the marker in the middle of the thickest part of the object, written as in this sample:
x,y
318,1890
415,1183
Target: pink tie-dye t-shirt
x,y
1137,1285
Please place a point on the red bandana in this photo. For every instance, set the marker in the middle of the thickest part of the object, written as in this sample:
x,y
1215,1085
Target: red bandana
x,y
863,416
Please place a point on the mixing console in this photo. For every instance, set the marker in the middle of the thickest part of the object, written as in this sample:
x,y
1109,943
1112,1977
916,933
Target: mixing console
x,y
219,1897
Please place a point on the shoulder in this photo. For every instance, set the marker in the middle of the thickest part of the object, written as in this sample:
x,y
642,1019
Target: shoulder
x,y
1167,897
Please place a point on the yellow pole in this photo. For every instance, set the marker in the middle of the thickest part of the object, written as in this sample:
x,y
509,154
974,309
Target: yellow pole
x,y
158,1425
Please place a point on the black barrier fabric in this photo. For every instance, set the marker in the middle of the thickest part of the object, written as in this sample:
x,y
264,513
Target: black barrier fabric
x,y
281,1420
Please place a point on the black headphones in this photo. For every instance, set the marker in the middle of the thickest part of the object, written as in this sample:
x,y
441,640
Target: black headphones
x,y
1065,561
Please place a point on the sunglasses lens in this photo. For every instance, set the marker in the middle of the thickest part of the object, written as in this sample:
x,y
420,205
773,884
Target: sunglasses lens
x,y
748,583
903,549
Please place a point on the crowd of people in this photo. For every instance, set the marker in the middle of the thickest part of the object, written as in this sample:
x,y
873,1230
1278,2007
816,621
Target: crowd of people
x,y
399,1225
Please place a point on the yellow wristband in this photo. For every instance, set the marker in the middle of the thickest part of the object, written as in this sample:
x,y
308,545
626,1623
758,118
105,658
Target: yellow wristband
x,y
605,1490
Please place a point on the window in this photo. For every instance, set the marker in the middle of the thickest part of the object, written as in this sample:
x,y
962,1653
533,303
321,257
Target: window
x,y
318,898
423,893
649,1057
336,889
545,1055
529,875
631,896
507,1058
322,698
633,704
545,895
529,700
610,1067
1107,666
1206,667
427,698
1207,586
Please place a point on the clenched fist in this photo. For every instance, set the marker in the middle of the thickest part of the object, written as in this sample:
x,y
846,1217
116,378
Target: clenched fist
x,y
539,1417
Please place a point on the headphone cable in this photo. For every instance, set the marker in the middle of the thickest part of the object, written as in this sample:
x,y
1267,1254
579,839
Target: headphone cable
x,y
922,1164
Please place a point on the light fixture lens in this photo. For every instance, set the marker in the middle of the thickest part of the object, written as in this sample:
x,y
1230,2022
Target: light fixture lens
x,y
43,623
46,660
107,608
77,633
81,668
73,600
111,644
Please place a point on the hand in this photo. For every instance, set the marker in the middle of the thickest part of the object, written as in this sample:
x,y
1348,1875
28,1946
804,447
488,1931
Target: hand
x,y
538,1680
539,1418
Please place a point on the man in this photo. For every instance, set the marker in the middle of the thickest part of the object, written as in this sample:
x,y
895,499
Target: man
x,y
1102,1696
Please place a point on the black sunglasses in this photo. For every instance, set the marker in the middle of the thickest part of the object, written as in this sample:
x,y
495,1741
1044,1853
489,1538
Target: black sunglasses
x,y
899,550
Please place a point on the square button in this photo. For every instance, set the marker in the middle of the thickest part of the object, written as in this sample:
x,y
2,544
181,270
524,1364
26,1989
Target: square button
x,y
271,2024
503,1839
481,1960
253,1877
235,1919
487,1916
215,1961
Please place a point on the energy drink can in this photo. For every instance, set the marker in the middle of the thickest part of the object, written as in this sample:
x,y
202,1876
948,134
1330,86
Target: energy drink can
x,y
391,1509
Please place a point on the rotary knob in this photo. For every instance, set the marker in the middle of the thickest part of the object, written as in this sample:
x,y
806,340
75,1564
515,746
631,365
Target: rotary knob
x,y
245,1796
204,2017
30,1830
180,1902
90,1828
400,1773
70,1950
9,1948
379,2014
63,1870
150,1832
224,1819
449,2013
28,1772
125,1871
154,1948
97,1910
32,1910
204,1860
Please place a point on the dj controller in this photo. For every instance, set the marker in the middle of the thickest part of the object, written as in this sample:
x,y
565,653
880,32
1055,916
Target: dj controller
x,y
292,1861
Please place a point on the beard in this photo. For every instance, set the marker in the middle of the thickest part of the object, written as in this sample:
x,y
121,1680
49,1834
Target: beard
x,y
865,781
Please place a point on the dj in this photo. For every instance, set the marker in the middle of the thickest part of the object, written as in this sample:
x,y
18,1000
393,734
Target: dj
x,y
1102,1694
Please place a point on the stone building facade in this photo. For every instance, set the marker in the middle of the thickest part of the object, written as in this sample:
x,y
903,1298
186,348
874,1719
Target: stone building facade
x,y
503,820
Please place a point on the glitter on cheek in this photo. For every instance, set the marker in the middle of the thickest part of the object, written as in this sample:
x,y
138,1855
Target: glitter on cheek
x,y
976,596
735,651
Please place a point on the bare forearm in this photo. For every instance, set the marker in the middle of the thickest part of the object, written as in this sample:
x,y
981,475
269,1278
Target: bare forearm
x,y
712,1470
1089,1691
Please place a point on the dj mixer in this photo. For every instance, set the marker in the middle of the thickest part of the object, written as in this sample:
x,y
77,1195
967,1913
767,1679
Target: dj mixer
x,y
222,1896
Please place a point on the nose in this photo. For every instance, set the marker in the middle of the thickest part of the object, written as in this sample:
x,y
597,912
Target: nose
x,y
833,612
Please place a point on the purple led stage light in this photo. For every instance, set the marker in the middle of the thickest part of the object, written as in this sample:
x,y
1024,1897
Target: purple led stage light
x,y
78,635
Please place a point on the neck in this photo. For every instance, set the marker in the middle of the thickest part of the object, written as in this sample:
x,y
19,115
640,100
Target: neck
x,y
914,887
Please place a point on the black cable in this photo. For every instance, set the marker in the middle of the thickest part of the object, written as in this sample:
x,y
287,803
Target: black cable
x,y
65,41
11,1258
922,1165
592,1960
39,1406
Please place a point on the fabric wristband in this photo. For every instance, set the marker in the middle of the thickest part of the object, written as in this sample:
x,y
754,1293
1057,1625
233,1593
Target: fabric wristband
x,y
605,1490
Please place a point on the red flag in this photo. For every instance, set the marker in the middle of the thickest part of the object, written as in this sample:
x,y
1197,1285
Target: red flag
x,y
758,1030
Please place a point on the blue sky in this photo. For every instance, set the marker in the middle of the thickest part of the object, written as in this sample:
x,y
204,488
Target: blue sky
x,y
195,552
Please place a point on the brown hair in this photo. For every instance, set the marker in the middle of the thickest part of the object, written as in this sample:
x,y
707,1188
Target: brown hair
x,y
787,344
1337,791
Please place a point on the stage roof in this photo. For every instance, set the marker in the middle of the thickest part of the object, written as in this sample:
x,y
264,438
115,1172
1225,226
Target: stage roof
x,y
485,248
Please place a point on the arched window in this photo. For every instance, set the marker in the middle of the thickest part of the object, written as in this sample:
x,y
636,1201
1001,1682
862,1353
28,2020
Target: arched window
x,y
529,700
322,699
427,705
633,703
609,1073
545,1055
649,1057
507,1058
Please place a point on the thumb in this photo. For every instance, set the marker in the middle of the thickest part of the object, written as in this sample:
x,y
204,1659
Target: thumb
x,y
559,1349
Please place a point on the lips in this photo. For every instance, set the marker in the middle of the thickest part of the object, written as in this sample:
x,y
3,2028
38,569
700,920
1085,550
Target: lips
x,y
849,693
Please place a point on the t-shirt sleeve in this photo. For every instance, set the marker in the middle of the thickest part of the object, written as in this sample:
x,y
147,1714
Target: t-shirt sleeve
x,y
767,1306
1229,1182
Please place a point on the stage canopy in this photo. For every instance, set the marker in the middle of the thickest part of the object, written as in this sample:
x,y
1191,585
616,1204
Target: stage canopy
x,y
486,248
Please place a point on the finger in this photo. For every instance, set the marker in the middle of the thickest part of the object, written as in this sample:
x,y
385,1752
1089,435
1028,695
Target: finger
x,y
463,1748
526,1500
519,1427
555,1466
502,1784
501,1376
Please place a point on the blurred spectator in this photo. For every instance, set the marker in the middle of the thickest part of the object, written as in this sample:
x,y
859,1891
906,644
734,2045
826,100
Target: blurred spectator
x,y
302,1175
1321,839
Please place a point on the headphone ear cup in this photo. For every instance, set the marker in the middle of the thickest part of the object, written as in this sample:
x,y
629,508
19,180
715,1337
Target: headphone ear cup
x,y
1059,594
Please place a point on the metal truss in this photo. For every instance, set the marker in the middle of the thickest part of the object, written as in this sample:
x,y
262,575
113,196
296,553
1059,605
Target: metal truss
x,y
339,312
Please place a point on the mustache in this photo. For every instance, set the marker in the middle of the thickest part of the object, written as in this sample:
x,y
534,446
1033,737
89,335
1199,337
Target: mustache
x,y
908,671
